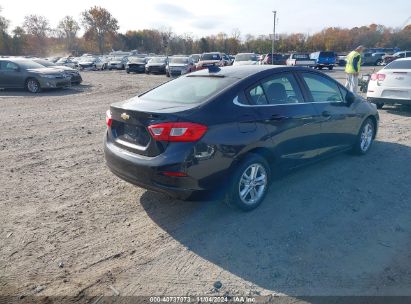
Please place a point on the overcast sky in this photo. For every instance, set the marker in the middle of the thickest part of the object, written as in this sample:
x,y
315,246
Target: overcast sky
x,y
207,17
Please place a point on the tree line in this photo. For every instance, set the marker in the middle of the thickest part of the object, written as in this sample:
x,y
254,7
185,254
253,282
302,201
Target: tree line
x,y
36,37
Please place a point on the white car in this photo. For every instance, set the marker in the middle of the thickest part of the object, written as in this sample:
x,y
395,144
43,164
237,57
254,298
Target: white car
x,y
392,84
245,59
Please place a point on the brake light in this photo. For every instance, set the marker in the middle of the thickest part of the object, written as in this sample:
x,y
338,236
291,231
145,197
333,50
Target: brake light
x,y
177,131
109,120
378,76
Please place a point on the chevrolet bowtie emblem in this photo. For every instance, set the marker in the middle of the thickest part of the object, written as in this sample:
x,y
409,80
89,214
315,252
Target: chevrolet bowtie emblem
x,y
125,116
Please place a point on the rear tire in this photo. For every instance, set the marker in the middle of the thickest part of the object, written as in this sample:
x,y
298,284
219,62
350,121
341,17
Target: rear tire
x,y
330,67
249,184
365,138
32,85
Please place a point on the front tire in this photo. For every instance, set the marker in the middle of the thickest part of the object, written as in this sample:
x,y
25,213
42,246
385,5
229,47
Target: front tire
x,y
249,184
33,86
364,138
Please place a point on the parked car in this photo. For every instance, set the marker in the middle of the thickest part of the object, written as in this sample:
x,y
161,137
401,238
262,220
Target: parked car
x,y
324,59
156,65
300,59
226,59
195,57
177,66
226,129
342,60
392,84
245,59
73,73
117,63
372,58
101,63
210,59
136,64
390,58
274,59
25,73
66,61
87,62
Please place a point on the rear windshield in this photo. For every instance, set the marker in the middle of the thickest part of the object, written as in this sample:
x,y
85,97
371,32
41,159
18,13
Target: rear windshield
x,y
208,56
188,90
178,60
301,56
399,64
327,54
246,57
136,59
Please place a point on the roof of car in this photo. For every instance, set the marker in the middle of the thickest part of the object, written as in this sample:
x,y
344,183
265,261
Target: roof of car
x,y
244,71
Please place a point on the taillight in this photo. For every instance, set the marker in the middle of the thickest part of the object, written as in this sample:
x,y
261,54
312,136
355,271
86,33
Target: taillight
x,y
177,131
109,120
378,76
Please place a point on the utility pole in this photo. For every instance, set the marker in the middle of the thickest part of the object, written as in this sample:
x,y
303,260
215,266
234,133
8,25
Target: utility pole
x,y
272,46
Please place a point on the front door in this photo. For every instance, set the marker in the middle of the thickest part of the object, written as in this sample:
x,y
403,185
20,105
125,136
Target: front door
x,y
339,121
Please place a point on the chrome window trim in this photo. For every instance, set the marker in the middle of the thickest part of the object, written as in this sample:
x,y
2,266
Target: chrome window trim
x,y
237,103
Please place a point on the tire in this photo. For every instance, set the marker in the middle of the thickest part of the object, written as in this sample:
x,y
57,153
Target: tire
x,y
32,85
245,196
365,138
320,67
379,105
378,62
168,74
128,71
330,67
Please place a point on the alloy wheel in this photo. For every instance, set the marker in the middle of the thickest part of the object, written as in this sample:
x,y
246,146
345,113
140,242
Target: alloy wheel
x,y
253,183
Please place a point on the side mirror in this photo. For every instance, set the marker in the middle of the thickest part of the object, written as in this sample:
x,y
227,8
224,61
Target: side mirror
x,y
350,98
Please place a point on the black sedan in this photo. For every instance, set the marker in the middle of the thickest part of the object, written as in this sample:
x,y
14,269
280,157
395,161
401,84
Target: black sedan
x,y
229,128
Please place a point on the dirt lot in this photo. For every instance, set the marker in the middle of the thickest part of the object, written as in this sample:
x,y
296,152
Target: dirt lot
x,y
71,228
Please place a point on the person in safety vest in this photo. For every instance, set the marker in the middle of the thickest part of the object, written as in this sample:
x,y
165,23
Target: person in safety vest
x,y
352,68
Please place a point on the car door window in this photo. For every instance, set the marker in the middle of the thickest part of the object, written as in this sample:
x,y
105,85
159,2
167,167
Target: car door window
x,y
279,89
321,88
257,95
282,89
8,66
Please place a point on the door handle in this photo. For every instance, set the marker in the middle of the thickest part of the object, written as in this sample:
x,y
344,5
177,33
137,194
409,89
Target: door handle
x,y
278,117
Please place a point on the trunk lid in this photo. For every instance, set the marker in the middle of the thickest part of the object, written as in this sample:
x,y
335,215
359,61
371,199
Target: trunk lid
x,y
130,121
396,78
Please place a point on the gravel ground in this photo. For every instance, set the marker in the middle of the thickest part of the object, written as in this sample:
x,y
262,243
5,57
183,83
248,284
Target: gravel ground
x,y
71,228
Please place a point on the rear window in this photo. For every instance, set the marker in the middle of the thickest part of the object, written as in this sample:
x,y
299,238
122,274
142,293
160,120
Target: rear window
x,y
327,54
158,60
399,64
301,56
208,56
246,57
188,90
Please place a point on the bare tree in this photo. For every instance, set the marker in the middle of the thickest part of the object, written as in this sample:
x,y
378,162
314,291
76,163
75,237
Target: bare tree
x,y
100,23
37,27
68,28
4,23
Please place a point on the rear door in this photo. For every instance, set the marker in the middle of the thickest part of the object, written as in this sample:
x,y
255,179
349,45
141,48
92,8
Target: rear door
x,y
292,124
339,122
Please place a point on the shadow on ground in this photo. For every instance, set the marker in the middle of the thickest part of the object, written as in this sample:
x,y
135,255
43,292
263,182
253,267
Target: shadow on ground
x,y
339,227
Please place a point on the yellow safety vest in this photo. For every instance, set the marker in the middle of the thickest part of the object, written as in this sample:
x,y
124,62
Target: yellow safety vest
x,y
349,67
